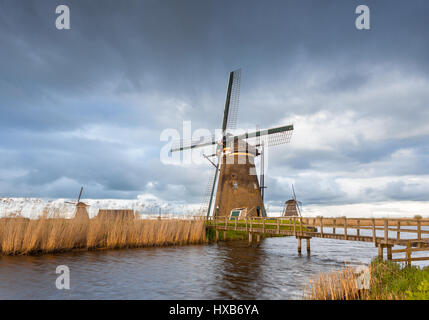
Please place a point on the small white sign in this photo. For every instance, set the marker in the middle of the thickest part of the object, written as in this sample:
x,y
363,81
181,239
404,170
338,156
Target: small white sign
x,y
363,277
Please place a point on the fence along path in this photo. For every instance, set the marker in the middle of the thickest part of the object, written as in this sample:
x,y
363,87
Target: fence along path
x,y
384,233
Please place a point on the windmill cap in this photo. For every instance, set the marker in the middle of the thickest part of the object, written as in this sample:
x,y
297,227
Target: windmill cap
x,y
81,204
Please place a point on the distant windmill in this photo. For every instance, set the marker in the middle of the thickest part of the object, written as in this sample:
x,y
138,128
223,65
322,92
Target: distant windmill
x,y
80,211
292,206
237,183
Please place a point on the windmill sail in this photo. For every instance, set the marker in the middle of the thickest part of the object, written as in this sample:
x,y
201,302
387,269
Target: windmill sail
x,y
234,101
234,90
229,121
237,186
208,193
271,137
80,194
262,173
180,145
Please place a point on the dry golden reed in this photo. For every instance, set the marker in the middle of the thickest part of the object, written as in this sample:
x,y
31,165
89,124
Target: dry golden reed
x,y
48,235
342,285
336,285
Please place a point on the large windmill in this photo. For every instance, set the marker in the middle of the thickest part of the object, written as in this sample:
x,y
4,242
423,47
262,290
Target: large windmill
x,y
235,173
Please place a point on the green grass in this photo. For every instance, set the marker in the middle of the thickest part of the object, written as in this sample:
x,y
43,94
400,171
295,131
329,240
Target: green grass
x,y
257,224
234,235
391,279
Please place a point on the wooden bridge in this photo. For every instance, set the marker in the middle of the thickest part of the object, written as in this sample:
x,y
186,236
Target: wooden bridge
x,y
412,234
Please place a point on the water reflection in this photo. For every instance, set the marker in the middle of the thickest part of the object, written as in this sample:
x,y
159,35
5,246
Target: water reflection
x,y
241,270
227,270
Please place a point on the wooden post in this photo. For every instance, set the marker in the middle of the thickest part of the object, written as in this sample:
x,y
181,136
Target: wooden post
x,y
321,226
386,230
250,223
246,224
398,232
294,226
380,251
409,254
389,252
263,225
278,226
299,245
345,228
226,222
300,226
308,245
419,230
358,228
374,233
235,227
217,235
250,238
258,237
335,224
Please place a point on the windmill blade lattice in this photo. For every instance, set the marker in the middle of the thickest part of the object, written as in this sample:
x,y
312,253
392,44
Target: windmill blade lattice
x,y
234,101
278,138
186,144
270,137
207,193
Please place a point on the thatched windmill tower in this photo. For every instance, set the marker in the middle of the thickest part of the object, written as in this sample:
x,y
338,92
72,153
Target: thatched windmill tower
x,y
235,173
80,212
292,206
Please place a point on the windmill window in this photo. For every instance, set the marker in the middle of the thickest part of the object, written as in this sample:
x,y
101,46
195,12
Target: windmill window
x,y
235,185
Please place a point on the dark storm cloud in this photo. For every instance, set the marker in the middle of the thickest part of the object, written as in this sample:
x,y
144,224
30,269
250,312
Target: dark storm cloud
x,y
87,105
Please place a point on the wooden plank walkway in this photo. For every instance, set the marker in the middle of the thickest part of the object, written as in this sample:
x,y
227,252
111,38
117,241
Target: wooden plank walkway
x,y
384,233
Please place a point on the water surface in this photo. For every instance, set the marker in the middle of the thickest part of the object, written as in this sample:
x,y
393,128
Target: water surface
x,y
227,270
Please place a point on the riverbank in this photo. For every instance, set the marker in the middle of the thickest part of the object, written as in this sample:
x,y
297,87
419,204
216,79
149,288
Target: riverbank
x,y
232,235
388,281
21,236
51,235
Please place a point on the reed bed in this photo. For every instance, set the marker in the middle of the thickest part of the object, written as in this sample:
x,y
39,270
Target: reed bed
x,y
342,284
336,285
49,235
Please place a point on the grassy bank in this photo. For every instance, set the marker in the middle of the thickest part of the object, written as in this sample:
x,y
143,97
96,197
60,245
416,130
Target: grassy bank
x,y
21,236
284,224
234,235
388,281
391,280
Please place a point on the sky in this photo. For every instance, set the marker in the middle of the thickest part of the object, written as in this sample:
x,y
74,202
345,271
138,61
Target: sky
x,y
87,106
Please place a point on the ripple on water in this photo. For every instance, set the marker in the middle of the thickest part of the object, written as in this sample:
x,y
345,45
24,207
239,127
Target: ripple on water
x,y
230,270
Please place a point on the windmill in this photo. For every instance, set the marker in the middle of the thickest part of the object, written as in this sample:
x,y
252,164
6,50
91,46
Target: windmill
x,y
292,206
80,211
235,173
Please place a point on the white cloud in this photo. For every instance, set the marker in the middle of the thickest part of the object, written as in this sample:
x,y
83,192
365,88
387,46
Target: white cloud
x,y
386,209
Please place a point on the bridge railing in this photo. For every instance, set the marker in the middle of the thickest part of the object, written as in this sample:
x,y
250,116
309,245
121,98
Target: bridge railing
x,y
280,225
388,229
378,230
